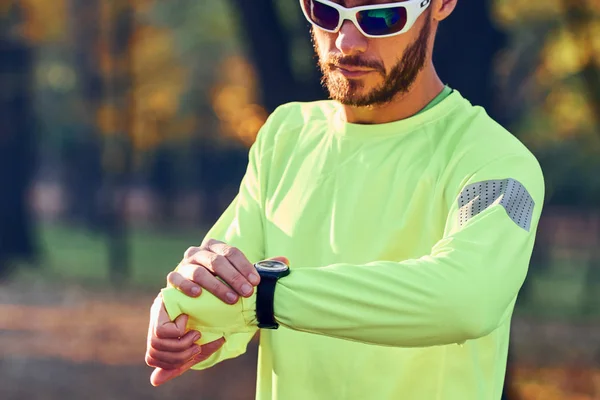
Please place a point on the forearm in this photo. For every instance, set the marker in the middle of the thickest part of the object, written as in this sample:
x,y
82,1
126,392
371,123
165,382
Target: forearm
x,y
448,297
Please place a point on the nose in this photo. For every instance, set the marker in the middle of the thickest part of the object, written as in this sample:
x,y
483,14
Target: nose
x,y
350,40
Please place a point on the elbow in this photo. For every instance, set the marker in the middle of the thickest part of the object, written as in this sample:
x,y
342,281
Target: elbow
x,y
477,310
476,328
475,320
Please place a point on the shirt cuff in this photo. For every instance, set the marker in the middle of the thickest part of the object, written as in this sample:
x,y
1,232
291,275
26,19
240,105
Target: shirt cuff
x,y
249,309
209,314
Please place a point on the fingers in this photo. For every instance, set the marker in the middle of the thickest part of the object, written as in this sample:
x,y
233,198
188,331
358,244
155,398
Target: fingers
x,y
164,374
158,364
170,353
168,345
165,328
190,252
180,322
188,287
161,376
208,281
174,359
170,359
218,268
226,269
174,345
183,283
237,259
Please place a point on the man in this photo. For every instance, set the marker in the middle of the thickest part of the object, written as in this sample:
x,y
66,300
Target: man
x,y
406,214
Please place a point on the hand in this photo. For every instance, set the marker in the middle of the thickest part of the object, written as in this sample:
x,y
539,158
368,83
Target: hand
x,y
170,349
202,265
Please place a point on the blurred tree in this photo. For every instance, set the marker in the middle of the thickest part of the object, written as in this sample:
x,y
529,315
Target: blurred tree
x,y
467,44
158,124
551,73
81,150
17,138
118,30
268,38
585,26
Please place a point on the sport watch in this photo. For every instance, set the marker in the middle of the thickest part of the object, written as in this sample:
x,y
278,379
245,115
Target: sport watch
x,y
270,271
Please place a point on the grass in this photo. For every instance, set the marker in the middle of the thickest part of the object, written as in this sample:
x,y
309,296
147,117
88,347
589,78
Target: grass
x,y
73,254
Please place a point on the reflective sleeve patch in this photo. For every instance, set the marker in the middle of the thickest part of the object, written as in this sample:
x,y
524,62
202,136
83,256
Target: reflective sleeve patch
x,y
509,193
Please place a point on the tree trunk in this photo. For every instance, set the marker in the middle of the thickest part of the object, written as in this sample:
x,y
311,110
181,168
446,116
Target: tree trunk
x,y
269,48
118,145
466,45
17,151
81,151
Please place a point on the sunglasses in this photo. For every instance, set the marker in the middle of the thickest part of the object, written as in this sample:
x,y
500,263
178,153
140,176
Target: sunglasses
x,y
374,21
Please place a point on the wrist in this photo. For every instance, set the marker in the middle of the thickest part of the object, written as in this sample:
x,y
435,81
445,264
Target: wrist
x,y
209,315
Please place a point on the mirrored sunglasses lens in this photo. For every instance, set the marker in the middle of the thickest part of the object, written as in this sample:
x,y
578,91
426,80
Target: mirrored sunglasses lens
x,y
382,21
321,14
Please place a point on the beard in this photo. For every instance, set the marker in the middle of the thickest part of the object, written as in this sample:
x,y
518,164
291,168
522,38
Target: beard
x,y
397,82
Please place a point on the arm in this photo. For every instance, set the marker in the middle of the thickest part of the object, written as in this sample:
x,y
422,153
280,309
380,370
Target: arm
x,y
464,289
236,240
241,227
241,224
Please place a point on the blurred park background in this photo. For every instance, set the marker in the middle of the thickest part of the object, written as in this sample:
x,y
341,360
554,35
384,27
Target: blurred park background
x,y
124,131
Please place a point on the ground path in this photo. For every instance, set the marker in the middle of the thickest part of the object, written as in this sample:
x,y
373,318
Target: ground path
x,y
66,342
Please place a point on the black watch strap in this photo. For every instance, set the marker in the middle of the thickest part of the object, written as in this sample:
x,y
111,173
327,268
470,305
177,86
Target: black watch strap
x,y
265,294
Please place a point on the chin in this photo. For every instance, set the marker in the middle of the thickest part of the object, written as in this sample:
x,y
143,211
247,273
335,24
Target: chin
x,y
352,97
352,101
349,90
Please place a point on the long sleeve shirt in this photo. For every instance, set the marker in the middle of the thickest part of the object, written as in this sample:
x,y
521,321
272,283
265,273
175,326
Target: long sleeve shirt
x,y
408,243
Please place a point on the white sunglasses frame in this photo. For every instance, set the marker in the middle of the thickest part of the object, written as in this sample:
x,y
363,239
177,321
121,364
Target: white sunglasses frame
x,y
414,9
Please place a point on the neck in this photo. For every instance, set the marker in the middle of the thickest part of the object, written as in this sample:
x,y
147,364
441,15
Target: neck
x,y
425,88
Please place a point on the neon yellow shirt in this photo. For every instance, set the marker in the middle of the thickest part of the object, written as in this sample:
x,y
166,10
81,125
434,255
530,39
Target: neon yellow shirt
x,y
408,243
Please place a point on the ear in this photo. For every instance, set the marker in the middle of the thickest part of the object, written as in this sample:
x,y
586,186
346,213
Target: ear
x,y
441,9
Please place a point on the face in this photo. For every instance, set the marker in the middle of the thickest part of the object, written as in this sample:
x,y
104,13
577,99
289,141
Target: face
x,y
361,71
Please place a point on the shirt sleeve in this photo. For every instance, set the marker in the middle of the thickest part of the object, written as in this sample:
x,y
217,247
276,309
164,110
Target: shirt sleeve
x,y
215,319
464,289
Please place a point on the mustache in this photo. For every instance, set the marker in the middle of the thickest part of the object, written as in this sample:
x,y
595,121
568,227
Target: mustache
x,y
353,61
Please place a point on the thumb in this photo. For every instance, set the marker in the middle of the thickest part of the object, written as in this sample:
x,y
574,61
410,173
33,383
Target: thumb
x,y
166,328
181,322
160,376
282,259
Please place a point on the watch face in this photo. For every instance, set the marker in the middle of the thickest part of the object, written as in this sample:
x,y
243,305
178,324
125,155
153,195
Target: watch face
x,y
271,266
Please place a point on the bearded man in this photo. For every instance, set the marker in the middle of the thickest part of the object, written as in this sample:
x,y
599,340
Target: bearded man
x,y
403,218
